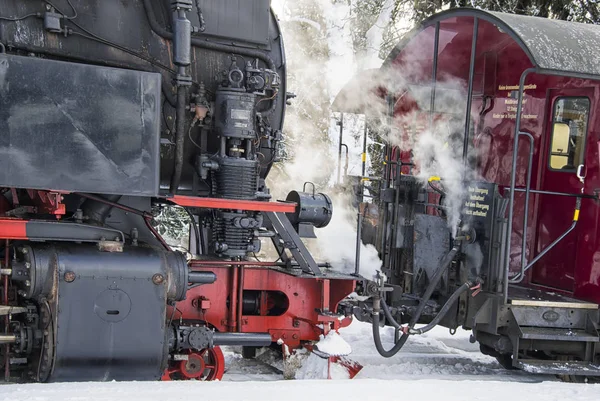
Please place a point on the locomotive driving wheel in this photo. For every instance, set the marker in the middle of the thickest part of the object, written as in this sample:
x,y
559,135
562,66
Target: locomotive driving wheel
x,y
207,365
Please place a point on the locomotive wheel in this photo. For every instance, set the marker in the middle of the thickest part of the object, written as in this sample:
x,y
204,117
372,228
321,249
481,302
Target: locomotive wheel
x,y
206,365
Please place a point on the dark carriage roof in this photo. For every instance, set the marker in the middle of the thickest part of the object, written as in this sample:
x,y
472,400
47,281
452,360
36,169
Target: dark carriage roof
x,y
555,45
552,45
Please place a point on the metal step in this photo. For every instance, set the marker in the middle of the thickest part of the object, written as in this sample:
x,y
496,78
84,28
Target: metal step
x,y
522,296
559,367
557,334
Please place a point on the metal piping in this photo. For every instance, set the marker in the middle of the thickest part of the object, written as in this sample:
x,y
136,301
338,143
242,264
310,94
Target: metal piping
x,y
179,139
197,42
436,45
442,267
513,178
556,241
470,89
536,191
526,214
97,210
339,171
7,317
246,339
445,309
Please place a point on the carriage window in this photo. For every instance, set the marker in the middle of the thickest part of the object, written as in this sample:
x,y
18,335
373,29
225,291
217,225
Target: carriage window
x,y
569,128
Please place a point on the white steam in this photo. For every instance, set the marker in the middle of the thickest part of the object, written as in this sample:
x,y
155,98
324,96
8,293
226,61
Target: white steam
x,y
336,243
320,59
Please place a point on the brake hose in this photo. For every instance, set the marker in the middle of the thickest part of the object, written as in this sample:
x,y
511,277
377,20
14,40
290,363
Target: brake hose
x,y
444,264
449,303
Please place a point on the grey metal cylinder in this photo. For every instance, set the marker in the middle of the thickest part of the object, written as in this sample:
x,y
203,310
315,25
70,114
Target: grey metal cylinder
x,y
246,339
202,277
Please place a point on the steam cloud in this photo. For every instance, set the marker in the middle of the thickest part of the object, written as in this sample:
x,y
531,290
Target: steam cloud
x,y
436,148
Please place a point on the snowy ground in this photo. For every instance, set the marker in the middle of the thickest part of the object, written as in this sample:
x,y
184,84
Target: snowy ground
x,y
431,367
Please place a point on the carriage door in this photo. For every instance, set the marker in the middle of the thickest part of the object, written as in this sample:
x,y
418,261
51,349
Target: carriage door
x,y
565,149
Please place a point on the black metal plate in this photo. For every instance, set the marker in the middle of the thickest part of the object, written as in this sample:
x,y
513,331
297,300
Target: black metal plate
x,y
77,127
111,318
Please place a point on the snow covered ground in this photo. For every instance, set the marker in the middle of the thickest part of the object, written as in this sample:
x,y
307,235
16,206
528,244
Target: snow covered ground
x,y
434,366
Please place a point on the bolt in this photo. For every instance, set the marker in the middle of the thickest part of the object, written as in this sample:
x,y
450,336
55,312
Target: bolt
x,y
296,323
24,250
69,277
27,265
295,336
27,283
158,278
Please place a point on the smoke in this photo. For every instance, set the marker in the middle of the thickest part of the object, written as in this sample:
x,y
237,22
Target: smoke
x,y
319,58
435,140
320,61
336,243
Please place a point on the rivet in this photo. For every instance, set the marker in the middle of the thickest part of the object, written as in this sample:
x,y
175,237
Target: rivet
x,y
69,277
158,278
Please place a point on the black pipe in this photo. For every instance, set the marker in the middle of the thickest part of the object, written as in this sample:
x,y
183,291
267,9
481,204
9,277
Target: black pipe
x,y
97,211
197,42
203,44
246,339
470,90
202,277
388,315
114,204
449,303
179,139
444,264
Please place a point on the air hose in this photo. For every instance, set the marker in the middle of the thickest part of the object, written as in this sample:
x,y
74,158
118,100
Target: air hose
x,y
449,303
378,301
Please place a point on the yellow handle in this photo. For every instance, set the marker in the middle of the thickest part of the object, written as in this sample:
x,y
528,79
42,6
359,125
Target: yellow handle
x,y
434,178
576,215
364,157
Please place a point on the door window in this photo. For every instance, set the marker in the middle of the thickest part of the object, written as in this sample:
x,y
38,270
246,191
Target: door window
x,y
569,128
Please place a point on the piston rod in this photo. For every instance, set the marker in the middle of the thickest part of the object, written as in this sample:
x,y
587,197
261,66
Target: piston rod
x,y
246,339
8,338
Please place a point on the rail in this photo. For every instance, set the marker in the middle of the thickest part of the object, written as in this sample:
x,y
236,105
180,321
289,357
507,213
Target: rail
x,y
526,214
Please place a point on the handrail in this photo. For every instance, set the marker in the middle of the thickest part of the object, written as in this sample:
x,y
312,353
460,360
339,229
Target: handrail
x,y
521,275
542,192
526,214
513,178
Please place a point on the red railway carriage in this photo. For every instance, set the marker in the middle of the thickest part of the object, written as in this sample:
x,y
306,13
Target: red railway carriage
x,y
521,96
560,90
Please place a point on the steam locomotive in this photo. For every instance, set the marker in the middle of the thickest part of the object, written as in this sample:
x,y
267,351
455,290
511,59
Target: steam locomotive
x,y
108,111
112,109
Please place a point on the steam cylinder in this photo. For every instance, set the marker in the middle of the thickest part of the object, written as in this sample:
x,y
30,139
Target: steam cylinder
x,y
314,209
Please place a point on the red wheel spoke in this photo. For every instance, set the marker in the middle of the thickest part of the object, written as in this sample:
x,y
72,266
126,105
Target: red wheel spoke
x,y
212,366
